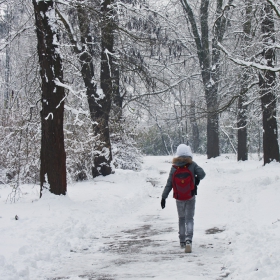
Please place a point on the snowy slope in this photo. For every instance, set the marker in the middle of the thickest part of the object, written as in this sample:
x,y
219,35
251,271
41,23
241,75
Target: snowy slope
x,y
113,227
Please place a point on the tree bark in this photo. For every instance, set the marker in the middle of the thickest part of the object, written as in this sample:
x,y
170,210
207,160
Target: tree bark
x,y
117,97
103,160
212,124
242,145
195,130
267,89
53,158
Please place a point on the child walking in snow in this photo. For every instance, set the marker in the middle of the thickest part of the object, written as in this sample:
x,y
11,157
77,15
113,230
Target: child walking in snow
x,y
184,176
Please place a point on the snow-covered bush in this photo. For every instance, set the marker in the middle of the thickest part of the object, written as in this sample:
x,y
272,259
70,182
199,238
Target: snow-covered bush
x,y
126,154
20,149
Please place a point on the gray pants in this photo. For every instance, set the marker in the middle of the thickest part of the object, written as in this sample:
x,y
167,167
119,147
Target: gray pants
x,y
185,210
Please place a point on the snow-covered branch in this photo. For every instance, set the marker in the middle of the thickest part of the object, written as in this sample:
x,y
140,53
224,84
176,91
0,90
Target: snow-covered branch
x,y
228,137
247,63
274,6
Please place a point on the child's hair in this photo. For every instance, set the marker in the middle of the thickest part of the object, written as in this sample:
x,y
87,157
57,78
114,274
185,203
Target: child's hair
x,y
187,160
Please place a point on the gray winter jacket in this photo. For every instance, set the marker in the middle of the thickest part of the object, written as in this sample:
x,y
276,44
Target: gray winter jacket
x,y
181,161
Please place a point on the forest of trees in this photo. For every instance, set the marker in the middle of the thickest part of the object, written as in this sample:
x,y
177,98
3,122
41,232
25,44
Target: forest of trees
x,y
88,86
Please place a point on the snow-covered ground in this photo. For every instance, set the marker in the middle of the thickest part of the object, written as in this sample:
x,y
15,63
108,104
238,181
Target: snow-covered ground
x,y
114,228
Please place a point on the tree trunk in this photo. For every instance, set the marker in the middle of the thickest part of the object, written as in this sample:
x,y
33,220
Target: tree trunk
x,y
212,124
210,71
99,102
267,89
117,98
209,65
242,145
195,130
8,53
103,160
53,158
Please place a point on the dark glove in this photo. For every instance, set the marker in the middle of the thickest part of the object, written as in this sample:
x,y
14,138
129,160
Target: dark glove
x,y
197,181
162,203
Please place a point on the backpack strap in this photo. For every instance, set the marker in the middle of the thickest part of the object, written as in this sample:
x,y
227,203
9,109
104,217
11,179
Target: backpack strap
x,y
176,167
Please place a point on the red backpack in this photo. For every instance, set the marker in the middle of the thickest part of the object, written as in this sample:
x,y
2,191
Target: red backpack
x,y
182,183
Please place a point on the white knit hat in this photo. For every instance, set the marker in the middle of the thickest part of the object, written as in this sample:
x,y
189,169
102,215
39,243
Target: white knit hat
x,y
184,151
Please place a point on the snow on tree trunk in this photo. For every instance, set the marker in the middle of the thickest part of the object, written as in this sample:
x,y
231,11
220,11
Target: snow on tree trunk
x,y
102,161
53,158
99,101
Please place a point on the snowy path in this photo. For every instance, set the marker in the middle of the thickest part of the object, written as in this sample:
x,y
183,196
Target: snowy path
x,y
113,227
148,249
146,246
153,250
